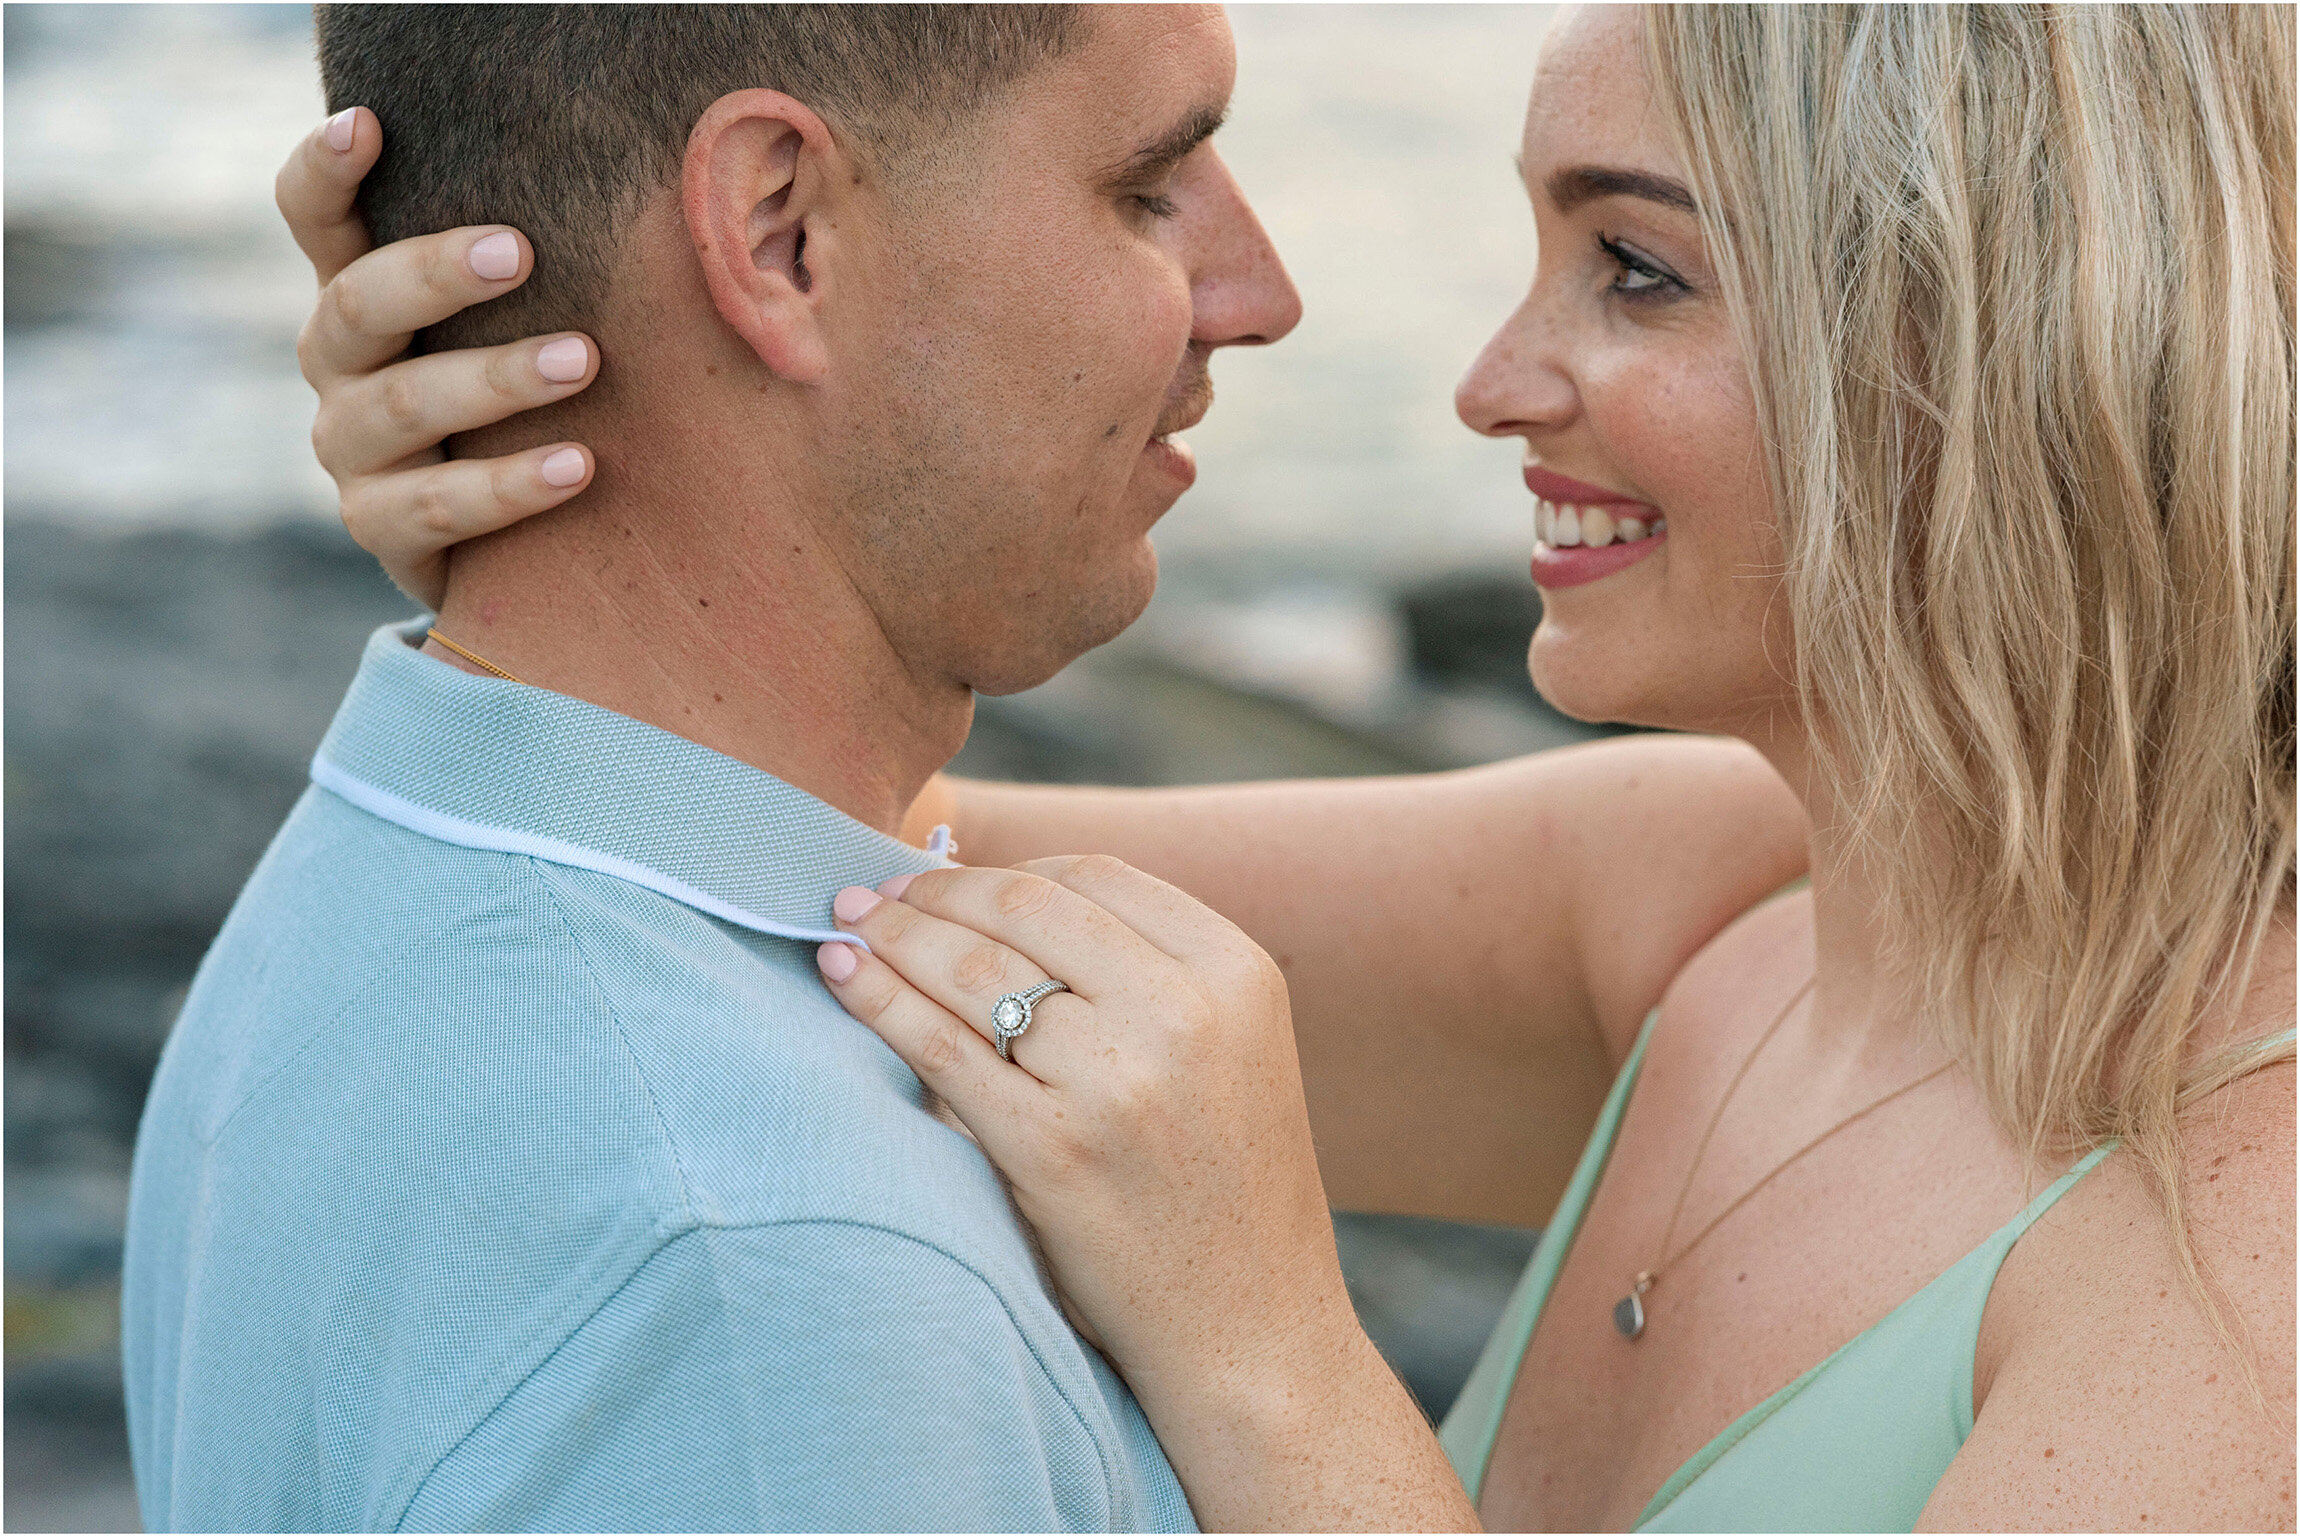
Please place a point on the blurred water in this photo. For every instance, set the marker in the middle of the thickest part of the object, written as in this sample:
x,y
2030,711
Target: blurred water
x,y
153,297
152,294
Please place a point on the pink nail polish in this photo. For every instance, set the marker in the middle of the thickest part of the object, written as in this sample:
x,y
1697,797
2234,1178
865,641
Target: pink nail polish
x,y
341,127
836,960
896,887
853,902
495,257
563,359
563,468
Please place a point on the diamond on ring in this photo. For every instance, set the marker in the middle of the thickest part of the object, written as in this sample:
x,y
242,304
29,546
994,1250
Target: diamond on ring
x,y
1010,1016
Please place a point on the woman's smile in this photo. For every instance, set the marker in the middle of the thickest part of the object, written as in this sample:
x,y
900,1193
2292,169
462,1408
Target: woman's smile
x,y
1584,532
1556,566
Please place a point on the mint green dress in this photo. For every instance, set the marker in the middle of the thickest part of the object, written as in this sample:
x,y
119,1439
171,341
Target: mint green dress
x,y
1856,1444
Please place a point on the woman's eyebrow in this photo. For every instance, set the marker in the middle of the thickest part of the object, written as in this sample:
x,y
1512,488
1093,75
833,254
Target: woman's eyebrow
x,y
1574,185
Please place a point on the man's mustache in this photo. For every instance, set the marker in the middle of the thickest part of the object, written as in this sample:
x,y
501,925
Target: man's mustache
x,y
1191,397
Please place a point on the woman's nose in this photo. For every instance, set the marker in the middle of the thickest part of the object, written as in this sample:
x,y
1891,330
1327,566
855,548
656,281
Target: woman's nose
x,y
1517,385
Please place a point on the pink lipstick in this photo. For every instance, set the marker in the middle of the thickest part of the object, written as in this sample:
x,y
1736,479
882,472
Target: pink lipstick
x,y
1585,532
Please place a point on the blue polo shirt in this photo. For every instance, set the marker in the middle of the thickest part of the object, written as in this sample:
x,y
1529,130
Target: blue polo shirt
x,y
509,1168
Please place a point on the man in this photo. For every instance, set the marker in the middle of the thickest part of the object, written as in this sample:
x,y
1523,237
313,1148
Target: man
x,y
509,1166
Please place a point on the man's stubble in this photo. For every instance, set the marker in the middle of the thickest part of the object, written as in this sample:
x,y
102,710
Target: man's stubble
x,y
976,573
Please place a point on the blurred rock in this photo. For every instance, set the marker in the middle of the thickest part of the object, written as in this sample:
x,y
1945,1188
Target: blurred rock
x,y
65,1222
67,1474
53,275
67,1444
1433,677
1471,629
61,1111
1131,715
1428,1293
1334,650
165,693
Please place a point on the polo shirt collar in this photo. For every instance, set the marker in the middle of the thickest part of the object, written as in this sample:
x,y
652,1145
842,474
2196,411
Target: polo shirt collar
x,y
489,764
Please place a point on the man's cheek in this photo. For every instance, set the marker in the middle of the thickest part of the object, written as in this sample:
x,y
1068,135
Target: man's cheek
x,y
1170,314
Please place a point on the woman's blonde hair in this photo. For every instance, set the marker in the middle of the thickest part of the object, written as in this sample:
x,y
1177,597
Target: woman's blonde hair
x,y
2016,283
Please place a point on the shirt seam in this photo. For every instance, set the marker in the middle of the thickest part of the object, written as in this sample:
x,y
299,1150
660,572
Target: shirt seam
x,y
690,1222
384,978
543,880
669,1226
411,950
1102,1455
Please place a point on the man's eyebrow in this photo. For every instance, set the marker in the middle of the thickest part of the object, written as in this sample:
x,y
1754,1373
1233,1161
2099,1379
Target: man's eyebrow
x,y
1574,185
1170,148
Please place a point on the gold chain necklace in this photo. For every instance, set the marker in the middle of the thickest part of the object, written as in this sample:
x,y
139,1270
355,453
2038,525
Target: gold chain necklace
x,y
470,656
1629,1312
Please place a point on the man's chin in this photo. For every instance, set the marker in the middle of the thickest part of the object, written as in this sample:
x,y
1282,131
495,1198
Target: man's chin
x,y
1093,619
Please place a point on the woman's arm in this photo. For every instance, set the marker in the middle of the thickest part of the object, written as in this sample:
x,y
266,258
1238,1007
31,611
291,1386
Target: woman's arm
x,y
1469,954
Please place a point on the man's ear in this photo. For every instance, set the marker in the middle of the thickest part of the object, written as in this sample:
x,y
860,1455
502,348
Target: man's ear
x,y
758,171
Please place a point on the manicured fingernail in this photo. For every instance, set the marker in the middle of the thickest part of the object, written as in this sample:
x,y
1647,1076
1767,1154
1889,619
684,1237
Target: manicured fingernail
x,y
896,887
495,257
563,359
836,960
853,902
341,127
563,468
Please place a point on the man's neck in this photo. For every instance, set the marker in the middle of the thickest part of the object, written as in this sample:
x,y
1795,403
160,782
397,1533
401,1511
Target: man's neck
x,y
743,636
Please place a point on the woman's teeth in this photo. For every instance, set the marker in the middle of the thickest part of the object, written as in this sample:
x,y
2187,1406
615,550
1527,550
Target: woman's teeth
x,y
1564,528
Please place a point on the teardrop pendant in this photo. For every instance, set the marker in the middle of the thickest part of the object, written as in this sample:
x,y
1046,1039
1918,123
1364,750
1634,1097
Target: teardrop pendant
x,y
1629,1312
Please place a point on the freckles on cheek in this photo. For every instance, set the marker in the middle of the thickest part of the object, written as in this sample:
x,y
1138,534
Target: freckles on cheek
x,y
1656,432
1686,435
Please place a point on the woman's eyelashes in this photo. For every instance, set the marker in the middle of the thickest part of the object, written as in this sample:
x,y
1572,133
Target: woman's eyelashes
x,y
1641,278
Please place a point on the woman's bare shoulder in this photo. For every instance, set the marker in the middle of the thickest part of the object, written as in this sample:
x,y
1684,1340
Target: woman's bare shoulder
x,y
1678,838
2113,1401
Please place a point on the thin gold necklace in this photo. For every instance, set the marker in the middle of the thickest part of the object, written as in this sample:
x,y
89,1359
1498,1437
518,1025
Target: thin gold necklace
x,y
471,656
1629,1312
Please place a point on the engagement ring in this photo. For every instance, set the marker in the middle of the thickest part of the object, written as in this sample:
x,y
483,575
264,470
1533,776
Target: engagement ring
x,y
1010,1016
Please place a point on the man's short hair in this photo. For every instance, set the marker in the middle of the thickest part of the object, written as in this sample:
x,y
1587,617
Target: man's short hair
x,y
561,119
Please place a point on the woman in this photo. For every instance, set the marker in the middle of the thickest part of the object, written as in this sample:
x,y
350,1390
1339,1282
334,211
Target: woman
x,y
1908,394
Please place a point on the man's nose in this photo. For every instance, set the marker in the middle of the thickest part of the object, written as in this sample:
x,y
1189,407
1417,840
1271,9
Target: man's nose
x,y
1240,294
